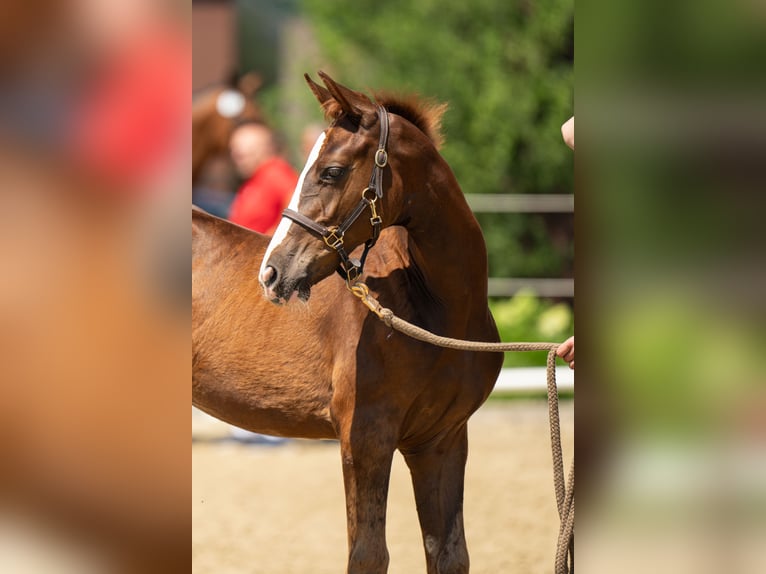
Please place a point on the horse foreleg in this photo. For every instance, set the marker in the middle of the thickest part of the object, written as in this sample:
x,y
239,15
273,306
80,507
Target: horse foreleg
x,y
367,454
438,476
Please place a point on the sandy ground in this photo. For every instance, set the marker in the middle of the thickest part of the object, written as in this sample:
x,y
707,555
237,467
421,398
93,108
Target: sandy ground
x,y
280,509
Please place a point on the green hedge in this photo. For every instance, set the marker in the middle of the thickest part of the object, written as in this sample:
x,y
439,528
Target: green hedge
x,y
528,318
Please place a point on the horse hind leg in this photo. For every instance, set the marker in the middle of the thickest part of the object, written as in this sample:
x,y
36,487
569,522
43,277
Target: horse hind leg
x,y
438,476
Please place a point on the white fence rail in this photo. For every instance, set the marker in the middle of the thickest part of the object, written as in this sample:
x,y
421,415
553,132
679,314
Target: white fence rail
x,y
505,286
520,202
532,380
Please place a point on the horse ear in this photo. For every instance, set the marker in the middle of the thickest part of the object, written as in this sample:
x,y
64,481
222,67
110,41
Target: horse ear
x,y
355,104
322,94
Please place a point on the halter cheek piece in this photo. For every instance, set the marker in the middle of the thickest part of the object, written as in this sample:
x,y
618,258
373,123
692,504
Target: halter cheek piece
x,y
351,269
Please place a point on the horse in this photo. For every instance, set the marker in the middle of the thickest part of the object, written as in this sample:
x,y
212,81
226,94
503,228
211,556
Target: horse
x,y
280,346
215,113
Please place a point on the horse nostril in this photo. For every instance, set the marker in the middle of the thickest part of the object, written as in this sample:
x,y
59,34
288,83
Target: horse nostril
x,y
268,276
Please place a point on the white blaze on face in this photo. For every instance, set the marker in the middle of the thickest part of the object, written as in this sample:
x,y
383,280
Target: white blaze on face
x,y
284,226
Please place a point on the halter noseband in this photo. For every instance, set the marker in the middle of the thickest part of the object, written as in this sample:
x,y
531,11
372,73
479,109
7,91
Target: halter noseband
x,y
351,269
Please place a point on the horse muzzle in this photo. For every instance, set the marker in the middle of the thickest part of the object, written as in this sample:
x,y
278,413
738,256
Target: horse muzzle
x,y
280,289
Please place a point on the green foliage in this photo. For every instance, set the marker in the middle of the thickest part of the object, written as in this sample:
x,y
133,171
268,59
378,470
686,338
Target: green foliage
x,y
527,318
504,67
519,246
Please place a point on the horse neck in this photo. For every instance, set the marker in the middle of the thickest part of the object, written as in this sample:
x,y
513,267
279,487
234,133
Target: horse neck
x,y
446,242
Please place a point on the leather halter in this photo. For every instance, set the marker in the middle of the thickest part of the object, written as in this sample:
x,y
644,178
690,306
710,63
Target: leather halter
x,y
350,269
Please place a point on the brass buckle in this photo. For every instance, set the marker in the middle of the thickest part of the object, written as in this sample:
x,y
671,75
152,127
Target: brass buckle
x,y
381,158
333,240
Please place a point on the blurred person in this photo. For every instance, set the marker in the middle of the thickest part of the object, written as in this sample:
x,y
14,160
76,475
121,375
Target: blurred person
x,y
270,180
216,112
566,349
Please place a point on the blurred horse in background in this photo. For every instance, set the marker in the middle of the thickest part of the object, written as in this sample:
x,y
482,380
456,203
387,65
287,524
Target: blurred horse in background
x,y
215,113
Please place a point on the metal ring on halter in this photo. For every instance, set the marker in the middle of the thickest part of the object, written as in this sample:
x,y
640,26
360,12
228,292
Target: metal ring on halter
x,y
381,158
367,199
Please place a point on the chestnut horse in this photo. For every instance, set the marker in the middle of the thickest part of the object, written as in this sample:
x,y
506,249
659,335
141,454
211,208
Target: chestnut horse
x,y
328,368
214,116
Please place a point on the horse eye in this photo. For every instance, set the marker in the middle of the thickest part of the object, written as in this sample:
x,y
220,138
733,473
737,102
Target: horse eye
x,y
333,172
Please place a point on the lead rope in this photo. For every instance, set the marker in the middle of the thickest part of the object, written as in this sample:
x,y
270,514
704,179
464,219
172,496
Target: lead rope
x,y
564,562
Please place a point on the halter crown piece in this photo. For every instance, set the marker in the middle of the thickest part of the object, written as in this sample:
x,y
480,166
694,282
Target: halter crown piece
x,y
350,269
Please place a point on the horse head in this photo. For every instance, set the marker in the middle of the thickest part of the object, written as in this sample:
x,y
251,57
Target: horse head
x,y
338,200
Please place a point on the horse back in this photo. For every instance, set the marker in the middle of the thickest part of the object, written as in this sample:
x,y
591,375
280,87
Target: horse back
x,y
254,364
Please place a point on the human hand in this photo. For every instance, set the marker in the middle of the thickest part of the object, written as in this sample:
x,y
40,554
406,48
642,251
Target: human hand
x,y
566,351
567,132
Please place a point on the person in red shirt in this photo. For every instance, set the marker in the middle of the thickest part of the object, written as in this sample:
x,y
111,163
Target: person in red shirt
x,y
269,179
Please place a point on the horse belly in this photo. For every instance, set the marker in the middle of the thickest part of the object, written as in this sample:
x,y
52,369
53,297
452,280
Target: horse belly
x,y
289,407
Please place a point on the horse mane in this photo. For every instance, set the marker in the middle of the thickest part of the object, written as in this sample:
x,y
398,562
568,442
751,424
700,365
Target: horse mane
x,y
425,114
